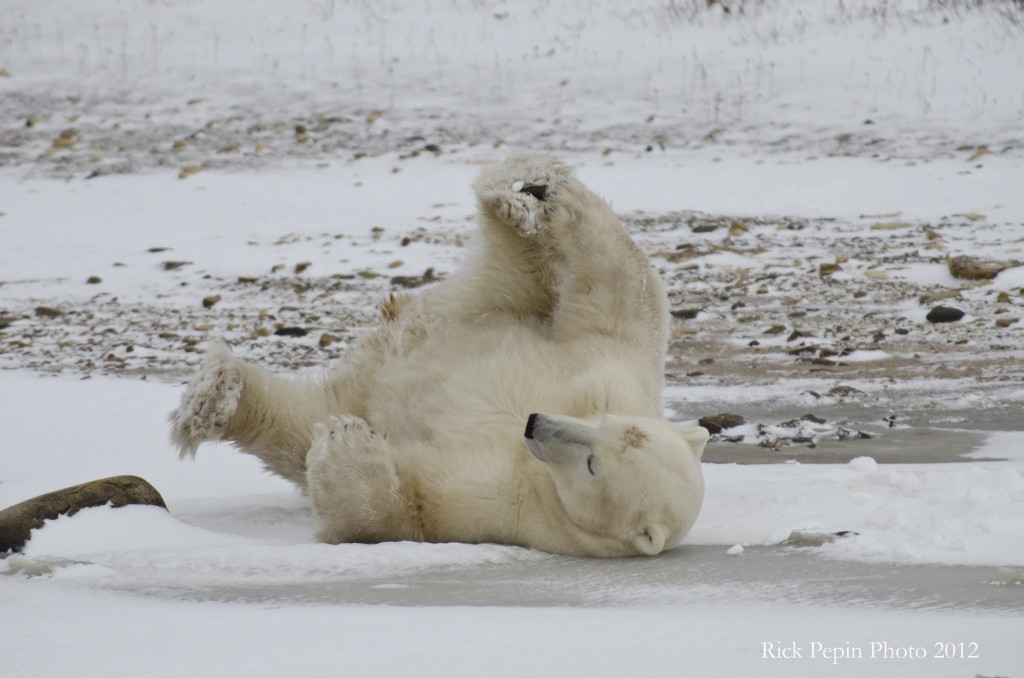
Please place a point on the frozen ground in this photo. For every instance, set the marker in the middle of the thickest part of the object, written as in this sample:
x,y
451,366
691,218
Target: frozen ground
x,y
799,172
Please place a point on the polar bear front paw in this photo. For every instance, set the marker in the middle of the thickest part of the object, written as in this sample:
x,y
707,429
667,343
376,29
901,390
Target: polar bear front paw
x,y
517,207
208,402
517,191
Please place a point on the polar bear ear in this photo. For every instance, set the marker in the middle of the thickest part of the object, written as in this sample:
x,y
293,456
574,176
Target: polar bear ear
x,y
696,437
651,540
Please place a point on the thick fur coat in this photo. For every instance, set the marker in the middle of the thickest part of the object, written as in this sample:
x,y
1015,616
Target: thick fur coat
x,y
519,401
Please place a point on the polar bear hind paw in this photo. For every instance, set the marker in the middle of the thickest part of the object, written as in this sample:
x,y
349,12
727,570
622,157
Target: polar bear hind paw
x,y
345,443
351,431
352,481
209,401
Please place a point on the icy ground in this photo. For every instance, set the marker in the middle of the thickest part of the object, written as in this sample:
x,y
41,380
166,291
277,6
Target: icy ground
x,y
798,171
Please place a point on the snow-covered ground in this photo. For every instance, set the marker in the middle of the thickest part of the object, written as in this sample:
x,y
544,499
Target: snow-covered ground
x,y
291,162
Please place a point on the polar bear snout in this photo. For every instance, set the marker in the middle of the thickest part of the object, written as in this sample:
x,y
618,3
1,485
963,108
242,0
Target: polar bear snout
x,y
556,439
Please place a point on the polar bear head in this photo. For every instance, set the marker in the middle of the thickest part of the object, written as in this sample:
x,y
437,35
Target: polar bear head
x,y
630,485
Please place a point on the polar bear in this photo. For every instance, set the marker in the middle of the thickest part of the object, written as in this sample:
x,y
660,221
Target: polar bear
x,y
518,401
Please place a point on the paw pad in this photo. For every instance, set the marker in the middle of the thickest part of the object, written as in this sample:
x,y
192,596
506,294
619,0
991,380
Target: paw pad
x,y
538,191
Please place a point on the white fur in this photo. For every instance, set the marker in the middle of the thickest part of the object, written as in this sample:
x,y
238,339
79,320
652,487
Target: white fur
x,y
419,432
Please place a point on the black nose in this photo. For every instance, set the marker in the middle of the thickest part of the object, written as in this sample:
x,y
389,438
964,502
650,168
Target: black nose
x,y
530,423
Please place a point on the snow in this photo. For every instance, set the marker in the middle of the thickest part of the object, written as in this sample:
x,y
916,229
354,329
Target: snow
x,y
756,120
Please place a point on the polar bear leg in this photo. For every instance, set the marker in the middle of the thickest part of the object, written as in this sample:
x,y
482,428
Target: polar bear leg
x,y
512,194
352,483
264,414
209,401
606,284
511,268
555,249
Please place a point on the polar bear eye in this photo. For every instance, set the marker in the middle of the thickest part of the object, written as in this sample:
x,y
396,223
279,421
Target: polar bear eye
x,y
592,465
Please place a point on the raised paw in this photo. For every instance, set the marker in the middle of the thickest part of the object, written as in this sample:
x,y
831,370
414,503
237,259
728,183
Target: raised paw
x,y
208,402
515,191
519,210
538,191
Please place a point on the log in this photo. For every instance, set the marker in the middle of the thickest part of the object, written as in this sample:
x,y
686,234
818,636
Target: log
x,y
18,521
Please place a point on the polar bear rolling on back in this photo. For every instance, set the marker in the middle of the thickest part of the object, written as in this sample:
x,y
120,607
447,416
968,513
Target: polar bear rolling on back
x,y
516,402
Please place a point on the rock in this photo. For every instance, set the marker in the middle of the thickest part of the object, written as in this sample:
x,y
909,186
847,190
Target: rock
x,y
412,281
826,270
944,314
94,280
843,391
67,139
774,444
686,313
18,521
716,423
48,312
211,301
302,266
979,152
973,268
328,339
291,332
935,296
1006,322
846,434
808,538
